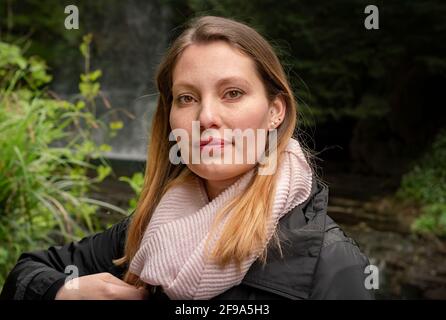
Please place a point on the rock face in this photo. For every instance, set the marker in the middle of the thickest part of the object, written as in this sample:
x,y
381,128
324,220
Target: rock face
x,y
129,39
410,266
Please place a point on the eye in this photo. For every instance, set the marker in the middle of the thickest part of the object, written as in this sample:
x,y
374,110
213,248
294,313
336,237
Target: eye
x,y
185,99
233,94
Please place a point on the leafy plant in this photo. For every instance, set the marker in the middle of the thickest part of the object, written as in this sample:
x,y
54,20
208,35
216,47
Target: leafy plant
x,y
426,185
45,162
136,182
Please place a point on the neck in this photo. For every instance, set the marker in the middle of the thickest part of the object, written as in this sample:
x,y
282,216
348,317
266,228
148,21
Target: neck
x,y
215,187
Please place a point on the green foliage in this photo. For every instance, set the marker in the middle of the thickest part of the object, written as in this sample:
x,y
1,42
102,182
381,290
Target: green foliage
x,y
426,185
46,146
136,182
40,25
89,86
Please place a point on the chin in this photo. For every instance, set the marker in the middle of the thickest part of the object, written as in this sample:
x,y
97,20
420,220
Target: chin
x,y
219,172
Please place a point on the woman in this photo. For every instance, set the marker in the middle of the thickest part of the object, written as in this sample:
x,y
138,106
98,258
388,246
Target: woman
x,y
207,225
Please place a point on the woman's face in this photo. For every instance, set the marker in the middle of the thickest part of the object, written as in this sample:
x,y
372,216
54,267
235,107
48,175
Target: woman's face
x,y
216,89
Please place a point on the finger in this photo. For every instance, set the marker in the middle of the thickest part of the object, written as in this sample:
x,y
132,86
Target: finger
x,y
108,277
129,293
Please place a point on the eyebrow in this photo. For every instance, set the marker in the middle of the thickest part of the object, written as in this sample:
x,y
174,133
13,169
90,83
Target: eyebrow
x,y
220,82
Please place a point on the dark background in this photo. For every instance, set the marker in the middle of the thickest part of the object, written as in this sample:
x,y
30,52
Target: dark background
x,y
371,105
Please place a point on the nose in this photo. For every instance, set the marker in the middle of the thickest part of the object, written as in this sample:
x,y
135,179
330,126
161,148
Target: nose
x,y
209,114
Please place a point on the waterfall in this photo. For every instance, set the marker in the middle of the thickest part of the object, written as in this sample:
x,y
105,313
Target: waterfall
x,y
129,39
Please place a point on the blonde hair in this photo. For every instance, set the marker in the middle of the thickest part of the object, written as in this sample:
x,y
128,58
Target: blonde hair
x,y
245,228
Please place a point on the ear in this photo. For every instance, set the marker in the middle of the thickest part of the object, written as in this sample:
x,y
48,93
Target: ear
x,y
276,111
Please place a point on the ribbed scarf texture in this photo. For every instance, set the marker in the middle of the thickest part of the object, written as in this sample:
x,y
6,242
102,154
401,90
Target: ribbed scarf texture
x,y
171,254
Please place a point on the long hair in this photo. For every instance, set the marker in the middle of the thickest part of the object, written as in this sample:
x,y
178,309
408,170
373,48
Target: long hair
x,y
246,227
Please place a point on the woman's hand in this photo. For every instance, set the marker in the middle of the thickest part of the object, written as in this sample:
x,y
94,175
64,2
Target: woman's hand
x,y
100,286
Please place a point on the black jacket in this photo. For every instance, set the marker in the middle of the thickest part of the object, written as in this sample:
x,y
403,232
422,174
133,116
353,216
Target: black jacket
x,y
320,261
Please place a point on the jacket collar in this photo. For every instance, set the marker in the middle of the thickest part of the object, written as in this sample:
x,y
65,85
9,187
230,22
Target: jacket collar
x,y
301,233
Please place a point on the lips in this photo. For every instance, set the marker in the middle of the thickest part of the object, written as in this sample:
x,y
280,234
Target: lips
x,y
212,142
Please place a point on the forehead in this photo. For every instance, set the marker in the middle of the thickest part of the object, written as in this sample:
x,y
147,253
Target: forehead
x,y
208,62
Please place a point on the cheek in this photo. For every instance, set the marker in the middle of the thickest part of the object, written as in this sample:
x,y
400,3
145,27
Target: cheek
x,y
253,115
173,119
179,120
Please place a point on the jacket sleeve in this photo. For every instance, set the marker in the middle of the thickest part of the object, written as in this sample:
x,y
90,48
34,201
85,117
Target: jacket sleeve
x,y
340,273
39,275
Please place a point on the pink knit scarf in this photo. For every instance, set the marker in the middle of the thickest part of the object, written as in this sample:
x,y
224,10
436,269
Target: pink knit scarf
x,y
172,250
